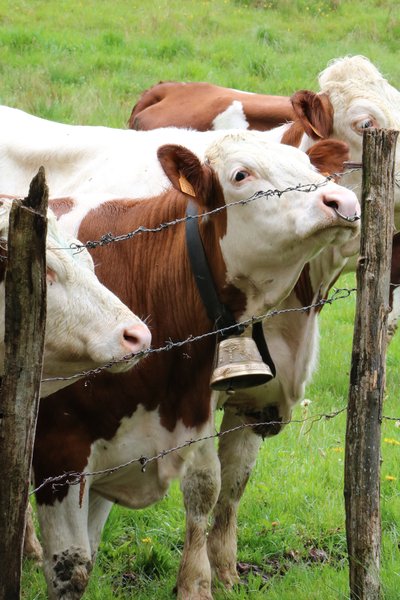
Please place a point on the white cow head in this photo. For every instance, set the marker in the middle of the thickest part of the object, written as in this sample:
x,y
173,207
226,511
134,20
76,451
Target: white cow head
x,y
87,325
361,98
267,241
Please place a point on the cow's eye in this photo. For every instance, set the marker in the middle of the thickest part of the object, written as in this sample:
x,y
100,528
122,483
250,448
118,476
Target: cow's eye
x,y
240,175
366,124
363,124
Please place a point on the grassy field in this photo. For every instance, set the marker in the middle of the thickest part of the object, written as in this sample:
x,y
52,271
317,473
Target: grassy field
x,y
86,62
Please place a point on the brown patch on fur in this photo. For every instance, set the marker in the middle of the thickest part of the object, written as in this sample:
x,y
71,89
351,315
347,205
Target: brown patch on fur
x,y
197,104
61,206
293,135
329,155
305,292
303,288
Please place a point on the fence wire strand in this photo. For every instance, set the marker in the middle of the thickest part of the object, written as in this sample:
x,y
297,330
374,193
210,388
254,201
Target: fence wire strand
x,y
69,478
338,294
306,188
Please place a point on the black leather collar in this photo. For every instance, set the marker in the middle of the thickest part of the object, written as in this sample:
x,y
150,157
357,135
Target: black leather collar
x,y
218,313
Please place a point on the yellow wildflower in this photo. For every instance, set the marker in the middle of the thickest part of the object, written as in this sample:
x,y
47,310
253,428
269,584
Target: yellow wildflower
x,y
391,441
146,540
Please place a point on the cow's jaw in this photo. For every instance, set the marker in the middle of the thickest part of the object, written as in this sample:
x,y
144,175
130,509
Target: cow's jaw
x,y
267,277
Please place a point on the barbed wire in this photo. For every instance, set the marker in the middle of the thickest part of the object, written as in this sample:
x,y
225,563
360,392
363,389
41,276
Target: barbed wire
x,y
76,477
69,478
109,238
338,294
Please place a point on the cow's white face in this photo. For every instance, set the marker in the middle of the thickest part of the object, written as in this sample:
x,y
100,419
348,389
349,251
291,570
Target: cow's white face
x,y
270,239
361,99
87,325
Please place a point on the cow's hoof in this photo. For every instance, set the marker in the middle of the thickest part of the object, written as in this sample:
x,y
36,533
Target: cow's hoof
x,y
228,577
200,591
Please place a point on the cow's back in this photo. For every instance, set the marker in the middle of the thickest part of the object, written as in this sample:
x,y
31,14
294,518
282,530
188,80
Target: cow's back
x,y
204,106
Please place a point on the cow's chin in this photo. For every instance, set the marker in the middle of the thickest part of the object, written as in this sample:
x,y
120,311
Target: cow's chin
x,y
51,384
335,232
124,365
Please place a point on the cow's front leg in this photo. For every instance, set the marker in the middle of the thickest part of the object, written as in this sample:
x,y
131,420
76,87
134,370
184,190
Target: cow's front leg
x,y
200,487
67,560
237,453
32,546
99,509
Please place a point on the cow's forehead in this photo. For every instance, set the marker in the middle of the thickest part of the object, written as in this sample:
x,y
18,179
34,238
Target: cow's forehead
x,y
349,68
355,80
253,147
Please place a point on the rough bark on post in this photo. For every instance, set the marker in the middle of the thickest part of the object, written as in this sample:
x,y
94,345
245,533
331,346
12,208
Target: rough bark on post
x,y
367,380
25,315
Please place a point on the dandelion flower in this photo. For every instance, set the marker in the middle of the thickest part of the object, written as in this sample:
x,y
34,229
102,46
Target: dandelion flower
x,y
391,441
306,402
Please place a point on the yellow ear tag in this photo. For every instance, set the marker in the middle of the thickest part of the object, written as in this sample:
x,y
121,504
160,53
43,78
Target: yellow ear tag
x,y
185,186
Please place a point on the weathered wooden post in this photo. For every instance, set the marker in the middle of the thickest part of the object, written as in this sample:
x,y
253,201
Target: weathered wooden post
x,y
367,381
25,315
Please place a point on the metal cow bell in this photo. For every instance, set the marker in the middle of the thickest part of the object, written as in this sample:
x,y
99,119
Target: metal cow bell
x,y
238,364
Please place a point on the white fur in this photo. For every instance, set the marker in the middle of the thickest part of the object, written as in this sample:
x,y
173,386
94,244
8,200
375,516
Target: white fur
x,y
233,117
358,92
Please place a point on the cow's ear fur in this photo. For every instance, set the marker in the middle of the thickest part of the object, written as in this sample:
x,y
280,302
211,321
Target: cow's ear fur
x,y
328,156
315,112
185,171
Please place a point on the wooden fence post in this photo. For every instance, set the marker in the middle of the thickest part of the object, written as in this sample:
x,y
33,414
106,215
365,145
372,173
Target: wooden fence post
x,y
25,316
367,380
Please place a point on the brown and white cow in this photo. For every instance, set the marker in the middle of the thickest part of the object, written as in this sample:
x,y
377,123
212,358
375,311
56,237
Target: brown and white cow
x,y
353,96
256,251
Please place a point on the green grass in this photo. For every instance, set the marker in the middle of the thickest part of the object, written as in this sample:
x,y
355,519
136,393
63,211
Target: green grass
x,y
87,62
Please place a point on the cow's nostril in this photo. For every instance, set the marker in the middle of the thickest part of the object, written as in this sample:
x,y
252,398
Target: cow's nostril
x,y
131,339
331,203
136,338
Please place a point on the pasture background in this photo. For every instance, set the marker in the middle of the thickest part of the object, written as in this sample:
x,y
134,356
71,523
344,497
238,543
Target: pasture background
x,y
86,62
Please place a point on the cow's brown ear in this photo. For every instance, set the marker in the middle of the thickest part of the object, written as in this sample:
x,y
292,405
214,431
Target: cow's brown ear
x,y
328,156
315,112
185,171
